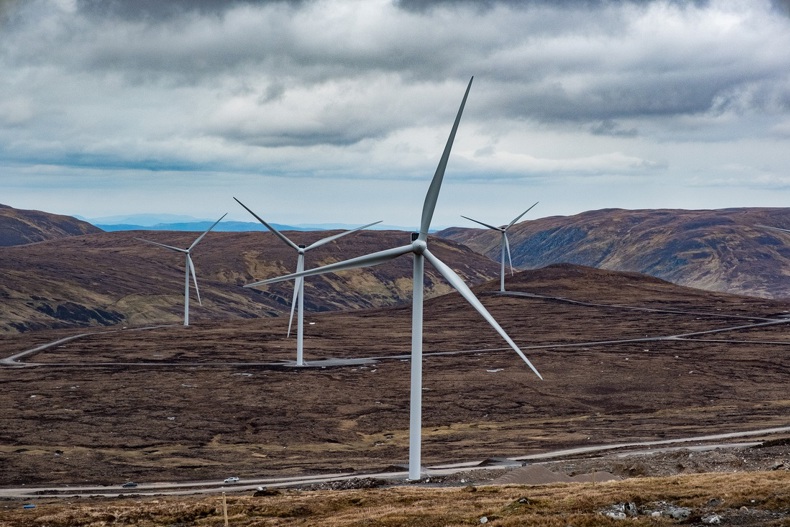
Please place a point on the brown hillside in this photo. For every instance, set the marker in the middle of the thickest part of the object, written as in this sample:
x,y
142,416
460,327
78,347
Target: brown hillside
x,y
19,227
717,250
110,278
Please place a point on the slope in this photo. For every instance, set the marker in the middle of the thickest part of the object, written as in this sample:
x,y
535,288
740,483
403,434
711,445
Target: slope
x,y
621,355
19,227
717,250
109,278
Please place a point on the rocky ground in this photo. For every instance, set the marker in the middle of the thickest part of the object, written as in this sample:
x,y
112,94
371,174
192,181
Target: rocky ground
x,y
722,509
770,455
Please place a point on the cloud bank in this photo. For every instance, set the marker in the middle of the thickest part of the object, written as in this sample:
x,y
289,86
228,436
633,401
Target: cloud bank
x,y
632,103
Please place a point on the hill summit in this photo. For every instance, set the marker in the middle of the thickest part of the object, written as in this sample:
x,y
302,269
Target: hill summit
x,y
20,227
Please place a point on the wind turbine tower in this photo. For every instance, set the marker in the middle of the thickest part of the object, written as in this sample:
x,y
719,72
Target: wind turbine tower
x,y
505,244
419,249
298,298
190,267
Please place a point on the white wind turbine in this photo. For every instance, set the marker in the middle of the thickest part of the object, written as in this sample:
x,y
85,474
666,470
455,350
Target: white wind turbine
x,y
190,267
299,284
419,249
505,244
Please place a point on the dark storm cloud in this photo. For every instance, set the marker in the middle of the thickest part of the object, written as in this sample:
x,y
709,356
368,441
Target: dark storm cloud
x,y
5,8
425,5
422,6
783,6
654,94
153,10
525,57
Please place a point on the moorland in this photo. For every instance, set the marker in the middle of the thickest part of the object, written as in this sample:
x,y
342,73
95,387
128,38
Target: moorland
x,y
625,358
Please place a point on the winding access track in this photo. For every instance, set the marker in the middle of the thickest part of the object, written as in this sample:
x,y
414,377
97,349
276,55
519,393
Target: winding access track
x,y
705,442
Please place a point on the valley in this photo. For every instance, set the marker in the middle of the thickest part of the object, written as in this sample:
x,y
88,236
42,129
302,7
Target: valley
x,y
176,403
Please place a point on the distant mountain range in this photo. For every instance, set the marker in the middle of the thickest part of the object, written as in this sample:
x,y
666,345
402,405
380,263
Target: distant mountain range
x,y
235,226
197,226
718,250
78,275
172,222
240,226
144,220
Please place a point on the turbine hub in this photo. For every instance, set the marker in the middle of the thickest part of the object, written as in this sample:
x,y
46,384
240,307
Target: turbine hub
x,y
419,246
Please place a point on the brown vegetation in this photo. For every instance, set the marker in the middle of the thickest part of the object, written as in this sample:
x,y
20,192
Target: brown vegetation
x,y
19,227
113,278
757,499
197,403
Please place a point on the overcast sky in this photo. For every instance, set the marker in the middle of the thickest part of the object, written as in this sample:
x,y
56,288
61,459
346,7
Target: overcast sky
x,y
337,111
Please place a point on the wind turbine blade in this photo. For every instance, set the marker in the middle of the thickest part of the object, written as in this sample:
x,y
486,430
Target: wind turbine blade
x,y
772,228
481,223
368,260
178,249
520,216
293,305
507,249
456,281
436,183
194,278
274,231
202,235
328,239
298,286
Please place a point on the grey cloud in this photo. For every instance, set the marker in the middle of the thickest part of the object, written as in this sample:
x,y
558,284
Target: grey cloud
x,y
163,10
626,96
6,5
582,64
273,92
783,6
6,10
426,5
334,136
612,128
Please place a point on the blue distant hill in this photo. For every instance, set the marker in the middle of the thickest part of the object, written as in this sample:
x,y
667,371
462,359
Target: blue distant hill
x,y
173,222
200,226
234,226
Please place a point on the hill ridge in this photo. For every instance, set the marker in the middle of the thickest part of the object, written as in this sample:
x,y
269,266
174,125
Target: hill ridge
x,y
20,227
718,249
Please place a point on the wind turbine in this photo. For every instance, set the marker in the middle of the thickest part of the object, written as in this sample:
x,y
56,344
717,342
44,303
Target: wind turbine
x,y
419,249
505,244
190,267
299,284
